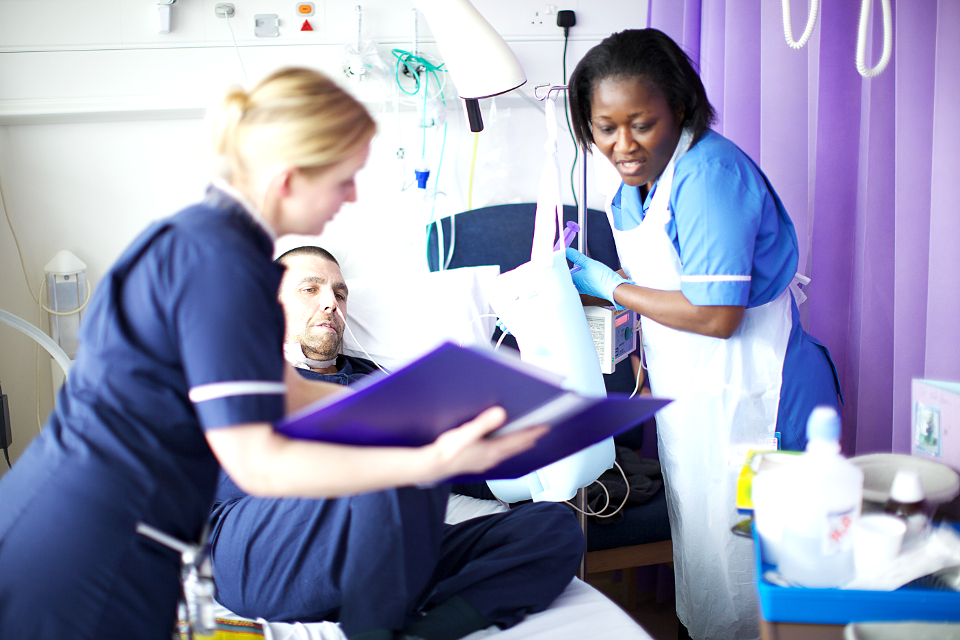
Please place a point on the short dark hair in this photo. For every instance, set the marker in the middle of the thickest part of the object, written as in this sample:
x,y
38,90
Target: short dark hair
x,y
651,56
307,250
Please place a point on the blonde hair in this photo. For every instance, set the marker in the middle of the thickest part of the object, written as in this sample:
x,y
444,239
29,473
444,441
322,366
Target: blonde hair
x,y
294,117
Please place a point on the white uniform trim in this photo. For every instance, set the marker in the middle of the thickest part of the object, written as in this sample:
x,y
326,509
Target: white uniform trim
x,y
715,278
216,390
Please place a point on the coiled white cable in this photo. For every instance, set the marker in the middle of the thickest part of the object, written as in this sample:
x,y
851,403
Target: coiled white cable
x,y
600,513
865,6
807,31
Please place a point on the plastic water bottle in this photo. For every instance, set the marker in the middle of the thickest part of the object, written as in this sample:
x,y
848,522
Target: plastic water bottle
x,y
825,498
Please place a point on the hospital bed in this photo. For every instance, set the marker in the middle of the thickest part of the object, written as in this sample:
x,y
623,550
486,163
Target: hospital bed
x,y
579,612
380,329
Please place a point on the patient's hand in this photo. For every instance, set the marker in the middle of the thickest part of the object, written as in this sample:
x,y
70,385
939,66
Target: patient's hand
x,y
467,449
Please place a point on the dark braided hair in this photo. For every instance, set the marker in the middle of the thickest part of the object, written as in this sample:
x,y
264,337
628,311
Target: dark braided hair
x,y
652,57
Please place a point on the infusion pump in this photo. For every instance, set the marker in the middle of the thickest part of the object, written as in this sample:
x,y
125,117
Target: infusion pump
x,y
614,334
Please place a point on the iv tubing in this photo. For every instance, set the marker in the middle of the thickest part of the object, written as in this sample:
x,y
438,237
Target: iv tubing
x,y
865,6
40,337
807,31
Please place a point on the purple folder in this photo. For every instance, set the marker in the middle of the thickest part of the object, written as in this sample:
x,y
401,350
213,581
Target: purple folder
x,y
451,385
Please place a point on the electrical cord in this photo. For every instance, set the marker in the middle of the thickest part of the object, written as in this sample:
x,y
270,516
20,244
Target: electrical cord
x,y
643,363
6,455
38,298
37,359
590,512
16,243
233,37
62,313
566,113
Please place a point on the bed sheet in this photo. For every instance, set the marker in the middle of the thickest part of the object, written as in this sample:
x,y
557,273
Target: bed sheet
x,y
579,612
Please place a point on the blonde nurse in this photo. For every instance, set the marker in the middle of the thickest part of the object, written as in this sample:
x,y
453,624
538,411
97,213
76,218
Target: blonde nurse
x,y
708,254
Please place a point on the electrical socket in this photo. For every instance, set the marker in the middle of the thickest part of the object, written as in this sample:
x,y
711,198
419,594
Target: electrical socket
x,y
544,16
224,10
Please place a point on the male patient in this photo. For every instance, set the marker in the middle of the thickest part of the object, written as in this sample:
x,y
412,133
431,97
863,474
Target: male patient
x,y
383,564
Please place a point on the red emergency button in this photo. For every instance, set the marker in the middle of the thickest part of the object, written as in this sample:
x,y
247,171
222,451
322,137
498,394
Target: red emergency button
x,y
306,26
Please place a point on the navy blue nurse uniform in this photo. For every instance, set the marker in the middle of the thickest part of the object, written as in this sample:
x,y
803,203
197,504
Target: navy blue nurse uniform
x,y
378,560
184,334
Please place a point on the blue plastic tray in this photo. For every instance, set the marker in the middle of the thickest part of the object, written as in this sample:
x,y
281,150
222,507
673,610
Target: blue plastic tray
x,y
842,606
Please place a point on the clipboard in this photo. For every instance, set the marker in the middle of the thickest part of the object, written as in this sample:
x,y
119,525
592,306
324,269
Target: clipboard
x,y
452,385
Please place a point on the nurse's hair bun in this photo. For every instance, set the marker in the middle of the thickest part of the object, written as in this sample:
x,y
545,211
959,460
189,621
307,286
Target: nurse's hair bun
x,y
294,117
225,119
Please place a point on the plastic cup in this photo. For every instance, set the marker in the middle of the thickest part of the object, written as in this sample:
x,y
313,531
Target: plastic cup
x,y
877,539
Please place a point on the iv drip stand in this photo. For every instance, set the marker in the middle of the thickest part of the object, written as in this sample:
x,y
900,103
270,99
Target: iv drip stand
x,y
580,500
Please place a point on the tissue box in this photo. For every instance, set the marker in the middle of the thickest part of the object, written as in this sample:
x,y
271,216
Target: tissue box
x,y
842,606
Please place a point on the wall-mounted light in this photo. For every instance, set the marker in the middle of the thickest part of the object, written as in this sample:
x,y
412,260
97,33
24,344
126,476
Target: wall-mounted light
x,y
480,61
68,293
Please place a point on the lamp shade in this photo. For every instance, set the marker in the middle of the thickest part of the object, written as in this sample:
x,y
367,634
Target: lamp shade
x,y
481,63
64,263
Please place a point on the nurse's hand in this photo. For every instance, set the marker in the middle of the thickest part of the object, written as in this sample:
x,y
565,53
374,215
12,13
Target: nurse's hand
x,y
594,278
468,449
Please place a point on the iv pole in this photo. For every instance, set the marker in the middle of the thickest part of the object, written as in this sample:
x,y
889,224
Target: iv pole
x,y
582,202
580,499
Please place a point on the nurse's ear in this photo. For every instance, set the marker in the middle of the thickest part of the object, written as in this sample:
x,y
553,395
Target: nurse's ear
x,y
283,182
680,114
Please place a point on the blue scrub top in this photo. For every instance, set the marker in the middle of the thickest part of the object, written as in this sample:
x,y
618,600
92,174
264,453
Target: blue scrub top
x,y
737,246
184,334
736,242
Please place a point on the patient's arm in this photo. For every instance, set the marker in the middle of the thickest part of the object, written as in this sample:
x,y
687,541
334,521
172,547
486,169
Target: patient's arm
x,y
263,462
302,392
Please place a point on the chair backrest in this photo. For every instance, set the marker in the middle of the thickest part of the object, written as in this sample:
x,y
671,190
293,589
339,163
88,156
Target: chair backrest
x,y
503,235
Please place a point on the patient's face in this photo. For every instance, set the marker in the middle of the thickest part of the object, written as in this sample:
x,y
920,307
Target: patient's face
x,y
312,292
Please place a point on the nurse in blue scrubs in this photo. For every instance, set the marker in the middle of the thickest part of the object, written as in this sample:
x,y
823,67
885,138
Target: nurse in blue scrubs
x,y
181,370
708,254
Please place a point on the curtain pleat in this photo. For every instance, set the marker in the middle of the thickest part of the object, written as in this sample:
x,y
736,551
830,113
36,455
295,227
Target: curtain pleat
x,y
869,170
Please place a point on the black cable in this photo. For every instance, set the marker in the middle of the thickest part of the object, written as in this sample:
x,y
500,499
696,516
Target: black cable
x,y
7,456
566,112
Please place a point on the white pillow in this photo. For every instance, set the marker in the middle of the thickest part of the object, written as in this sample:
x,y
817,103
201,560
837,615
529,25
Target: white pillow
x,y
394,319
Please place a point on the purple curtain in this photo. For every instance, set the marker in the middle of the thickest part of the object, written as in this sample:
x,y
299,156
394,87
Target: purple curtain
x,y
869,170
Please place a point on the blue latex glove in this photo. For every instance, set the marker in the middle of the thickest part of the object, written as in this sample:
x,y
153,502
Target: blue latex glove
x,y
594,278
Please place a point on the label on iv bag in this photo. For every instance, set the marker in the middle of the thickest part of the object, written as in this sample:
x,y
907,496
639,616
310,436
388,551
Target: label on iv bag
x,y
838,538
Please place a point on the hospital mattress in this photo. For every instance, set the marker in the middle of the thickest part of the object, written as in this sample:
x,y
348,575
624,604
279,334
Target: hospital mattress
x,y
579,612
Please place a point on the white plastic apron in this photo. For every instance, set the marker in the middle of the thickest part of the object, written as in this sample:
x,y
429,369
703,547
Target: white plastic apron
x,y
726,397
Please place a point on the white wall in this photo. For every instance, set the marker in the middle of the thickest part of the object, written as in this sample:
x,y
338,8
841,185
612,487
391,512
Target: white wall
x,y
101,132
